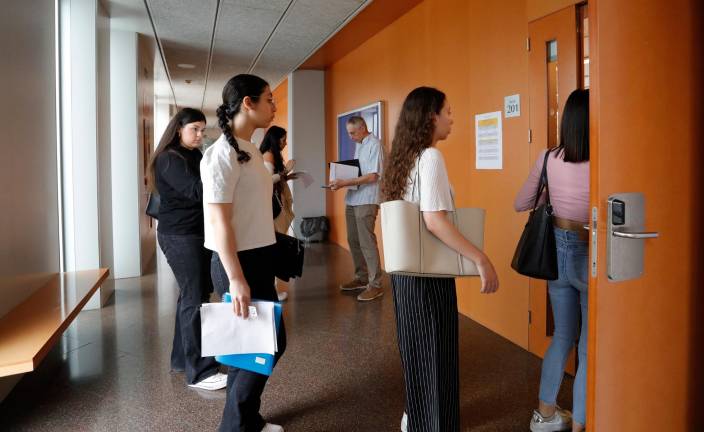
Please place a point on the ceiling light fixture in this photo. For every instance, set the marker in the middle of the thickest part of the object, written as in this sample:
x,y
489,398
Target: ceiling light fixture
x,y
186,66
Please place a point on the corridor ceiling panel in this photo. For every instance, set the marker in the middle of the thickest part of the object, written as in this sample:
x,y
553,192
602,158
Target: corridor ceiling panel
x,y
206,42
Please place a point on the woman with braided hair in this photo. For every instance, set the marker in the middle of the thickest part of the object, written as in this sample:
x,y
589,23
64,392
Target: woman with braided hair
x,y
239,229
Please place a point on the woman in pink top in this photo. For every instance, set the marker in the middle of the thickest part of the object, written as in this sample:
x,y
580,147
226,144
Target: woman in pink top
x,y
568,181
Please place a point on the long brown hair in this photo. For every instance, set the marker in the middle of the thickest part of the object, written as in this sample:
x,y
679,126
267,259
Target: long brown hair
x,y
171,139
414,133
272,143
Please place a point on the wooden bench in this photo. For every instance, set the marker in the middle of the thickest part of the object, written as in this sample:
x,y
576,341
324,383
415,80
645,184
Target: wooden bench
x,y
31,329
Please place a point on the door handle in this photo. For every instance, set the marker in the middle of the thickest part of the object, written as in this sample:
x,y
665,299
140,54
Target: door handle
x,y
636,235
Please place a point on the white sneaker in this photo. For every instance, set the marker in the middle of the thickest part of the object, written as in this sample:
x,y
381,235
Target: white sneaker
x,y
272,428
214,382
404,422
283,295
560,421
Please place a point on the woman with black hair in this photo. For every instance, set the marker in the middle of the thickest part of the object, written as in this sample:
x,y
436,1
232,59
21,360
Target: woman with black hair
x,y
174,172
239,229
426,307
568,180
282,201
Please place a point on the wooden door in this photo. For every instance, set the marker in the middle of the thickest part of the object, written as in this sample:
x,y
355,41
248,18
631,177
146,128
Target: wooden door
x,y
645,334
554,73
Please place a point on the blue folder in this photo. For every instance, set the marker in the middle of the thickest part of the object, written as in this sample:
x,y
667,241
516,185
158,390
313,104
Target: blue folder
x,y
259,363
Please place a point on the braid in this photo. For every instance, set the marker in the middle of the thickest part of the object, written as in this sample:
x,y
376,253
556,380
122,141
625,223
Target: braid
x,y
225,113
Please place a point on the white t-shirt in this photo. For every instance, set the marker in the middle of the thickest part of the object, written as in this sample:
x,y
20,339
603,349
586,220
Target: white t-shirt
x,y
247,186
435,191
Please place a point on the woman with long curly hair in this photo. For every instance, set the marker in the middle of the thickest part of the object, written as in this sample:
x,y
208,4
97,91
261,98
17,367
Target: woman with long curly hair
x,y
426,307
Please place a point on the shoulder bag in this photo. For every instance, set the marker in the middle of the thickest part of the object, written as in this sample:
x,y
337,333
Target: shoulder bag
x,y
536,253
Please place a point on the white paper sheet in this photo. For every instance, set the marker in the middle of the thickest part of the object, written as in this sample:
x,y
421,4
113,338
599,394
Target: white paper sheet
x,y
306,178
224,333
343,172
488,141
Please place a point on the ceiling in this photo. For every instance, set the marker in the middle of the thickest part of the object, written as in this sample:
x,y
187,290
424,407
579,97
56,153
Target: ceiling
x,y
222,38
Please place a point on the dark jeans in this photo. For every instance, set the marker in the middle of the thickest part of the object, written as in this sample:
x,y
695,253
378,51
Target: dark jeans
x,y
245,388
190,262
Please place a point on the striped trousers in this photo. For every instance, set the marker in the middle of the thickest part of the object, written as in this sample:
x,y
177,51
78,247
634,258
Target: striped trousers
x,y
426,325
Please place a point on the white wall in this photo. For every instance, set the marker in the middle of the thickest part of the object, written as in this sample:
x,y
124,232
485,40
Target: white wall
x,y
79,129
125,153
29,222
306,137
86,139
104,153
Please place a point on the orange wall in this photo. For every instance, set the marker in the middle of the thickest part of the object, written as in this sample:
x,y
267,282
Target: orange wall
x,y
476,56
281,101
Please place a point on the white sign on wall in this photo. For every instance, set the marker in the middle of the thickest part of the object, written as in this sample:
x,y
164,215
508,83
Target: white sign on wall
x,y
512,106
488,140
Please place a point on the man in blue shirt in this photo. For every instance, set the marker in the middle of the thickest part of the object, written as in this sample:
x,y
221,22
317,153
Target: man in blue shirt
x,y
362,207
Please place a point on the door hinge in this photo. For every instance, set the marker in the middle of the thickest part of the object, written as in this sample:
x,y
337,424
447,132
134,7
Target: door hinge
x,y
530,135
527,44
530,317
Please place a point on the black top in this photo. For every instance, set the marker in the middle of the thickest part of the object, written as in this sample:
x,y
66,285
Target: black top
x,y
177,174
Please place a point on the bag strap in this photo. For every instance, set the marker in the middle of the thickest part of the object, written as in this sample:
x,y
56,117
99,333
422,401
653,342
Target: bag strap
x,y
453,214
290,224
543,183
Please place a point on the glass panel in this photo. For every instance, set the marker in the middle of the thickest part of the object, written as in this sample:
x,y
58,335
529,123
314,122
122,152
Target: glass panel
x,y
553,96
552,51
583,20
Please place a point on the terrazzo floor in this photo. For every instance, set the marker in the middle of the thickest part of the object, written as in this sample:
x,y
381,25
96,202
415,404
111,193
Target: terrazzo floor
x,y
341,370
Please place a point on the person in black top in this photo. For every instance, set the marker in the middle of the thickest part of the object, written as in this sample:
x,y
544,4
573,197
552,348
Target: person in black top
x,y
174,173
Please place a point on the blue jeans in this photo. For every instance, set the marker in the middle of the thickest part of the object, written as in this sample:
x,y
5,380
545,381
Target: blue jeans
x,y
568,295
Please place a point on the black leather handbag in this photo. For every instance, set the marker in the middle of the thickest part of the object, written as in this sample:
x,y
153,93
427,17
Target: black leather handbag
x,y
289,257
536,254
153,203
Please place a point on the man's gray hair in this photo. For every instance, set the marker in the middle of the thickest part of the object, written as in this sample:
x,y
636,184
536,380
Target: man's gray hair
x,y
358,122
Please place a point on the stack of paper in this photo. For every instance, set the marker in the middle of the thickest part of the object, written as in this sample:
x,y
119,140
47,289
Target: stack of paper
x,y
339,171
224,333
303,175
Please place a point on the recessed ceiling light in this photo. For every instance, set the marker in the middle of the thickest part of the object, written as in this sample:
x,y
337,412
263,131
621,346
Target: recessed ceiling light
x,y
186,66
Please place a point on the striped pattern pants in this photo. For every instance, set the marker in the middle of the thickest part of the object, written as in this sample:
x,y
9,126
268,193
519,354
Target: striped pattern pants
x,y
426,324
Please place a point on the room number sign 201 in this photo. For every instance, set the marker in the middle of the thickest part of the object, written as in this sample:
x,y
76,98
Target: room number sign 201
x,y
512,106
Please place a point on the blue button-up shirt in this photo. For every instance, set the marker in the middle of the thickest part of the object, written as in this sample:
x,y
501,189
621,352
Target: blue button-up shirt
x,y
370,153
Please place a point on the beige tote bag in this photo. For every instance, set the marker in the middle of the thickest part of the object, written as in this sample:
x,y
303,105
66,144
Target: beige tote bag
x,y
410,249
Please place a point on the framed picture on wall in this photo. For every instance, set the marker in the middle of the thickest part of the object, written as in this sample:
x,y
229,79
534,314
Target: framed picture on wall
x,y
372,114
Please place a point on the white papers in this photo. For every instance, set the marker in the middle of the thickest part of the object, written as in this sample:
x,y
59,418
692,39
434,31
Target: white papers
x,y
303,175
224,333
488,140
343,172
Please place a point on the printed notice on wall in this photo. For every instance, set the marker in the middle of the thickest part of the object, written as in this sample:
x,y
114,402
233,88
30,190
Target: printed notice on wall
x,y
489,144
